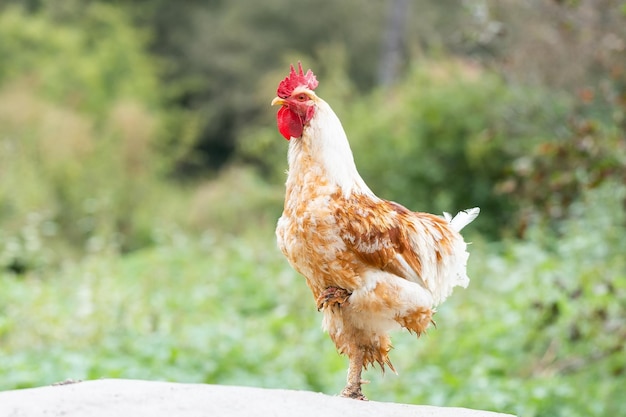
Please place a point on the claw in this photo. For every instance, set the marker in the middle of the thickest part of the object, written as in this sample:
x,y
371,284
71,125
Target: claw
x,y
332,296
354,393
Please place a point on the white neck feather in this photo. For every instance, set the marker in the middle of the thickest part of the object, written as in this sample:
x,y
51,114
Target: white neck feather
x,y
324,143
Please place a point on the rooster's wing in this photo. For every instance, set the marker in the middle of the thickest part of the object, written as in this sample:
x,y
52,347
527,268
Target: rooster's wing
x,y
389,237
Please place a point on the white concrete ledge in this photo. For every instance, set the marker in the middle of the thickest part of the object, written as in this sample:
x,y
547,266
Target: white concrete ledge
x,y
132,398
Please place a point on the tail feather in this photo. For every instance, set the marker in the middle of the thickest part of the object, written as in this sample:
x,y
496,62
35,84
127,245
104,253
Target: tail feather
x,y
462,218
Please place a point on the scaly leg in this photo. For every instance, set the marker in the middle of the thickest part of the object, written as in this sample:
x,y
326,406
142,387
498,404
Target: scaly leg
x,y
353,387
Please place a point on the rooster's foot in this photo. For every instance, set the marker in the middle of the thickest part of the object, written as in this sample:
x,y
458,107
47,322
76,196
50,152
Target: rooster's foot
x,y
353,391
332,296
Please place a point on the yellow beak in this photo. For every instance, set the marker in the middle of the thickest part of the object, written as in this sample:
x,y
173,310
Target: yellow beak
x,y
278,100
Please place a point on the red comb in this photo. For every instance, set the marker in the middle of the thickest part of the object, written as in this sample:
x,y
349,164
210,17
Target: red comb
x,y
296,79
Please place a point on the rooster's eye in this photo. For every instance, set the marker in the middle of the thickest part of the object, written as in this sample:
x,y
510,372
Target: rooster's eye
x,y
302,97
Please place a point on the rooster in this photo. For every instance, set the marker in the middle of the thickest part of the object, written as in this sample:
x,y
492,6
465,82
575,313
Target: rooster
x,y
371,264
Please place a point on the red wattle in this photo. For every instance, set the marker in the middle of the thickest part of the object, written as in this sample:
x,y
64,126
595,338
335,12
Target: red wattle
x,y
289,123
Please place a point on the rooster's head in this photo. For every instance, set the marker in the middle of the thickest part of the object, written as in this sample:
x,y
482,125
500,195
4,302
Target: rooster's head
x,y
297,99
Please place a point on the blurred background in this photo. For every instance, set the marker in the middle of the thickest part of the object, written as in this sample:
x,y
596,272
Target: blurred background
x,y
141,176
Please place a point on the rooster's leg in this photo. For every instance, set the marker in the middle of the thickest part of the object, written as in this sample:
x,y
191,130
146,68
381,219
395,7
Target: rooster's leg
x,y
353,387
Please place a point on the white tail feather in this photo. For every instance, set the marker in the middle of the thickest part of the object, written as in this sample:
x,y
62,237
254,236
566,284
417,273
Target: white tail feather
x,y
462,218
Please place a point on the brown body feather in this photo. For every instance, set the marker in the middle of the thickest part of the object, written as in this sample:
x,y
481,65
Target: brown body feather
x,y
336,241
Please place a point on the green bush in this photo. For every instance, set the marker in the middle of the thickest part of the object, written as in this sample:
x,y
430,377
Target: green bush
x,y
237,202
80,130
549,177
88,63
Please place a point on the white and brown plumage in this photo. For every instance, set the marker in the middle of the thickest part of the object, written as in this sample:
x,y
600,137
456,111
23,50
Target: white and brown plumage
x,y
372,265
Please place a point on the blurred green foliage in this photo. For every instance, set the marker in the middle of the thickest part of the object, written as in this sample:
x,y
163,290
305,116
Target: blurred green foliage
x,y
141,176
79,131
88,64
